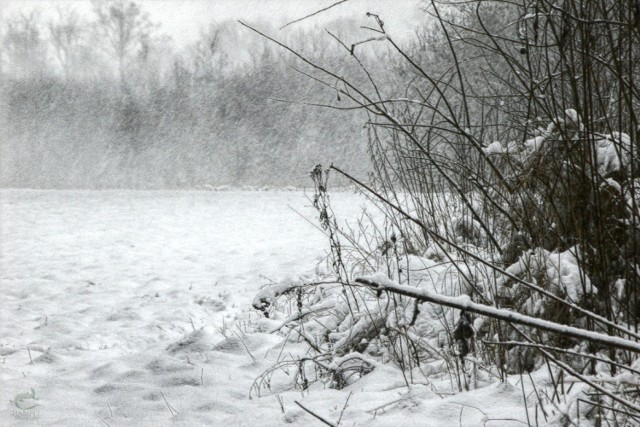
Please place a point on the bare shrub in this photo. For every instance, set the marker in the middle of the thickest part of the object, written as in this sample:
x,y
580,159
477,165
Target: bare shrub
x,y
512,158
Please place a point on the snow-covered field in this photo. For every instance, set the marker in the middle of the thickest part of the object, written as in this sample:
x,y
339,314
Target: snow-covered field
x,y
134,308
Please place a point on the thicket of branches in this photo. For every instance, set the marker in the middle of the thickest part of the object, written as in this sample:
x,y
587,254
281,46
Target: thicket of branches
x,y
506,166
106,99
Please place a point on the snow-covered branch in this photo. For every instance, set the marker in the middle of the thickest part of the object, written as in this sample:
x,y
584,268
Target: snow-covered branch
x,y
379,282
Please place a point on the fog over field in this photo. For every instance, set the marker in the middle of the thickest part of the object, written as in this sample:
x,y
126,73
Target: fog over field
x,y
181,96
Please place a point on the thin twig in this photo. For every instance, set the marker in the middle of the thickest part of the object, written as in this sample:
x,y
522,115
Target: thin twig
x,y
171,408
344,408
313,14
329,423
281,402
245,346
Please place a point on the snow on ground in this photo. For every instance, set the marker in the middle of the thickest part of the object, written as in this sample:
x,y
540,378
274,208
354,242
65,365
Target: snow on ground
x,y
133,308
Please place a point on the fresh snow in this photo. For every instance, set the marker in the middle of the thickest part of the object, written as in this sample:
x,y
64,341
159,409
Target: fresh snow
x,y
613,153
560,270
134,308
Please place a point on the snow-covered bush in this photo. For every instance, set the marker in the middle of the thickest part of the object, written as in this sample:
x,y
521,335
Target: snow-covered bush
x,y
508,166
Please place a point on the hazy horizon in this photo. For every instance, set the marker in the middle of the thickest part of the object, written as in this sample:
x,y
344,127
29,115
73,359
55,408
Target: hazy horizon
x,y
184,20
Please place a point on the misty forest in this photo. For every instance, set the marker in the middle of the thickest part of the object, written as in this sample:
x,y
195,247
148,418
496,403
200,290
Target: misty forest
x,y
108,101
337,217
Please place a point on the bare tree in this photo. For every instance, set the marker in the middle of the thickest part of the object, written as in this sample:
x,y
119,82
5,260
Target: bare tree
x,y
66,35
24,51
126,30
208,54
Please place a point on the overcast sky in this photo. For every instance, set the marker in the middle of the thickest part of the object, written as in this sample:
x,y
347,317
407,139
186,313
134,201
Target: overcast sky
x,y
183,19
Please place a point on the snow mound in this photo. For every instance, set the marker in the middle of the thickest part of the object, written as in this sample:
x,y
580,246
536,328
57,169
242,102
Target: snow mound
x,y
163,366
47,357
253,343
613,153
199,341
560,270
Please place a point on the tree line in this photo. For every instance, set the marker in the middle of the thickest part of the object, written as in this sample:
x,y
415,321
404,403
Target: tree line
x,y
107,100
